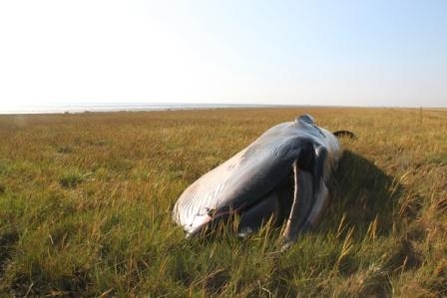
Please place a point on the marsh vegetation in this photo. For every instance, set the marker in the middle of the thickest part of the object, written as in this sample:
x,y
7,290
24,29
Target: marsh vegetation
x,y
85,207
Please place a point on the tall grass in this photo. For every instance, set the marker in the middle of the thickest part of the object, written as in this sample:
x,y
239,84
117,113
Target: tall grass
x,y
85,204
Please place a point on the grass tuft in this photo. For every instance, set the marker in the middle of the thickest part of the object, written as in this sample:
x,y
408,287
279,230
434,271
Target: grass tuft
x,y
72,179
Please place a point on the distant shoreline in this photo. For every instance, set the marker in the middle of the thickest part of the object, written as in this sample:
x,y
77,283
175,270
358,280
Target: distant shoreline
x,y
144,107
127,107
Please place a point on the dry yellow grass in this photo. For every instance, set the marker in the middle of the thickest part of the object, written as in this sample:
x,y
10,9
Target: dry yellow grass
x,y
85,204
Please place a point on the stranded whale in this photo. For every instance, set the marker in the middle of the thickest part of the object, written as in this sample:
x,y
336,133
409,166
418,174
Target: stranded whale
x,y
281,175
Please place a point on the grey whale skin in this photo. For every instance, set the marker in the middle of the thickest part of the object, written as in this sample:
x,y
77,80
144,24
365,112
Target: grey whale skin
x,y
284,173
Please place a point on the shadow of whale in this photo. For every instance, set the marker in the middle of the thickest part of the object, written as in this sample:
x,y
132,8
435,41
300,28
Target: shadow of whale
x,y
363,193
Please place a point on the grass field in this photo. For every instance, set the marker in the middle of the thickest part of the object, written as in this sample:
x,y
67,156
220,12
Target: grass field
x,y
86,199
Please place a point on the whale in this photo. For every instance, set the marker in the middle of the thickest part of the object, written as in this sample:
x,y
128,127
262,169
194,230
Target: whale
x,y
281,177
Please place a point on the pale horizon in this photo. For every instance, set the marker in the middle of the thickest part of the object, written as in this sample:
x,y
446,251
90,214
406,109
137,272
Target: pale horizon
x,y
304,53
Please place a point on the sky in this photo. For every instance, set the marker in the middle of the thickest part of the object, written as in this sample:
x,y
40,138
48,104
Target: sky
x,y
336,53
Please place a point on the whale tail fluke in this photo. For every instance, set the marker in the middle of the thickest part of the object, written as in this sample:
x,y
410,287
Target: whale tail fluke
x,y
344,133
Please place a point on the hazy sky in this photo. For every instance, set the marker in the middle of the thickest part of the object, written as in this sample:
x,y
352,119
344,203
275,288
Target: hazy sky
x,y
373,53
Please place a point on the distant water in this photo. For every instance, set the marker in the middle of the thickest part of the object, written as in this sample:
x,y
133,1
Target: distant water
x,y
61,108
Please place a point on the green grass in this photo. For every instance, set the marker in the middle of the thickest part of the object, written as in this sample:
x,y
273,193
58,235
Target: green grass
x,y
86,199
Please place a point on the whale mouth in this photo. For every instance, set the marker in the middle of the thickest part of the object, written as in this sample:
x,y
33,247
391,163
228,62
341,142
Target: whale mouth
x,y
277,206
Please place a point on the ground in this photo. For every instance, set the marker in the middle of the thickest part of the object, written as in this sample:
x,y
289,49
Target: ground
x,y
86,199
